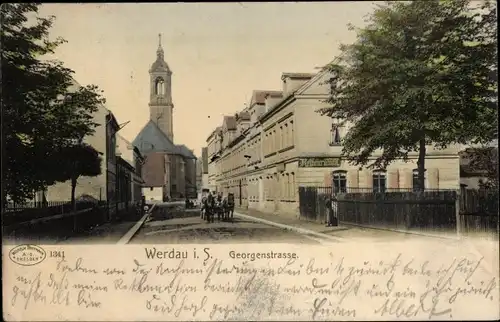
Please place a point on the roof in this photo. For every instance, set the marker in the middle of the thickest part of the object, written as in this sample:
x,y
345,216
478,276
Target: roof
x,y
184,151
152,139
259,96
229,122
214,132
298,75
113,121
160,65
243,116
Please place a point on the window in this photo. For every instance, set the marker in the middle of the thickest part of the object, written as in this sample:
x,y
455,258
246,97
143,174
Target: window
x,y
415,180
287,136
293,191
335,133
159,86
379,181
282,143
339,182
150,188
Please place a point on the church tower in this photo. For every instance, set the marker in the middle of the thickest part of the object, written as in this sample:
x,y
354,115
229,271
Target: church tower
x,y
160,101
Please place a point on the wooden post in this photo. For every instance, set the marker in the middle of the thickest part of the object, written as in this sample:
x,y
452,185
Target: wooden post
x,y
457,214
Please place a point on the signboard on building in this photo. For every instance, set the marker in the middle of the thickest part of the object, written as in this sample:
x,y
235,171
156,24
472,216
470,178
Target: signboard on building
x,y
319,162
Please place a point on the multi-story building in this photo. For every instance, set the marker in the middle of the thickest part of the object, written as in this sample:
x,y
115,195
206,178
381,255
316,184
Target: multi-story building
x,y
286,144
130,163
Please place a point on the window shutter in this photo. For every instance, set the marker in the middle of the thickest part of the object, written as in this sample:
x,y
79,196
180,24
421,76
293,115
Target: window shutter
x,y
327,179
393,179
365,179
433,178
406,178
352,178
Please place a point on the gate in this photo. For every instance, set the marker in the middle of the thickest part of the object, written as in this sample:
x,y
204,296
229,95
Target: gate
x,y
312,202
308,202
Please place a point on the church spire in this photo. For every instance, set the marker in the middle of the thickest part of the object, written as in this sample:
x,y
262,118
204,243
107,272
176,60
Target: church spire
x,y
159,51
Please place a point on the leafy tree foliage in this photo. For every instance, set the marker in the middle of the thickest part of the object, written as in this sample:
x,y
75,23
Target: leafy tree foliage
x,y
74,161
421,73
43,108
485,159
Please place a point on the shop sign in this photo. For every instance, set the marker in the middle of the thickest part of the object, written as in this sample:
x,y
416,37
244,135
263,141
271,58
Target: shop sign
x,y
319,162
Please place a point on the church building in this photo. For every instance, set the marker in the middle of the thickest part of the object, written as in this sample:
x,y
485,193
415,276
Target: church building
x,y
169,170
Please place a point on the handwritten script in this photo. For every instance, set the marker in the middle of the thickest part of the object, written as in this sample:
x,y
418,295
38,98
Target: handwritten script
x,y
253,282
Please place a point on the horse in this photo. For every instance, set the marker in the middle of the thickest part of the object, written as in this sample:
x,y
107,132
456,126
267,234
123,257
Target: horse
x,y
203,207
210,210
219,209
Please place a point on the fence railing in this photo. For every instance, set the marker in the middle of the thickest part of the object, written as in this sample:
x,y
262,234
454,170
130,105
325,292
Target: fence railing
x,y
31,210
431,210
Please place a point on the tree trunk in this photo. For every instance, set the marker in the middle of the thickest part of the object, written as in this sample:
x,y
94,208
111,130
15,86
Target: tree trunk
x,y
73,188
421,165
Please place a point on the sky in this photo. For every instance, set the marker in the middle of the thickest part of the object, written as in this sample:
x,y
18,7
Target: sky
x,y
218,53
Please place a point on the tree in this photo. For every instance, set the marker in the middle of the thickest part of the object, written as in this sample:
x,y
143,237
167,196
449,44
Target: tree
x,y
41,110
485,159
421,73
74,161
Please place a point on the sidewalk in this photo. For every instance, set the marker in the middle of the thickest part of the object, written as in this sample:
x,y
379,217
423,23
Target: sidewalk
x,y
342,232
291,221
107,233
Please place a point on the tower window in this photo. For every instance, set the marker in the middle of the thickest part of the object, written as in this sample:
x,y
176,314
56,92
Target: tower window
x,y
159,86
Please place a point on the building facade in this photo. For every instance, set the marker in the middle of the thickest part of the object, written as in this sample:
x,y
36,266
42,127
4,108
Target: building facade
x,y
204,170
169,170
101,187
130,165
287,144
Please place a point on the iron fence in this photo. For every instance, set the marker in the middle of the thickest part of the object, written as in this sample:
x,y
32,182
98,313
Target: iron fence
x,y
33,210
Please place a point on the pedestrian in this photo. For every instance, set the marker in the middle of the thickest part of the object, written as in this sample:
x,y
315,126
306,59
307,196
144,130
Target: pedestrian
x,y
329,211
332,209
143,203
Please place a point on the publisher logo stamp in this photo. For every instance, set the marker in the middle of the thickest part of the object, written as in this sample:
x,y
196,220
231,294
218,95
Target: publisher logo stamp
x,y
27,255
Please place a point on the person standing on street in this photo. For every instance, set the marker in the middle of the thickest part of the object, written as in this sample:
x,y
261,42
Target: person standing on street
x,y
332,209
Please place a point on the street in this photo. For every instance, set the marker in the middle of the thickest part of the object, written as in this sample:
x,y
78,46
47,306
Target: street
x,y
170,225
